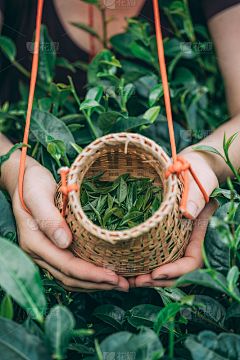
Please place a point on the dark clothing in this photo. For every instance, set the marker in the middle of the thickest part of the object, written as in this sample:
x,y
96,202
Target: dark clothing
x,y
19,25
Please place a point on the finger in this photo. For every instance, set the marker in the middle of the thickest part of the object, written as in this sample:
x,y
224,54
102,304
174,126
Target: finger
x,y
208,179
192,259
72,283
131,281
39,246
39,198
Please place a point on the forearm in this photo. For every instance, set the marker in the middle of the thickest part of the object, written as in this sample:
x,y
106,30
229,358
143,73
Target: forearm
x,y
10,168
220,168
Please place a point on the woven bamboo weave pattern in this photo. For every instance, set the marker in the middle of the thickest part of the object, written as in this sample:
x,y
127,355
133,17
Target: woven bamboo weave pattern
x,y
161,239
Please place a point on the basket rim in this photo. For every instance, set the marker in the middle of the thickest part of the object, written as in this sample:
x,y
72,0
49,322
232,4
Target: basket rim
x,y
113,140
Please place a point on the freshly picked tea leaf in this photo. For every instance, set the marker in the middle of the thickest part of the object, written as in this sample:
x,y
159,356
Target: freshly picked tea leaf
x,y
121,204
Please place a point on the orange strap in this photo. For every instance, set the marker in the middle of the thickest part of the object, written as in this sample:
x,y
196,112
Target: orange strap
x,y
179,163
65,189
30,100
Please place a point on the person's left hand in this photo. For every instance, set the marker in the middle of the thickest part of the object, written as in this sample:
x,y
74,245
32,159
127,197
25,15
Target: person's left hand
x,y
166,275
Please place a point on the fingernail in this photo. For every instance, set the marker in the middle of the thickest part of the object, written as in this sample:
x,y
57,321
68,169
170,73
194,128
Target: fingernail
x,y
61,238
121,289
145,284
192,209
160,277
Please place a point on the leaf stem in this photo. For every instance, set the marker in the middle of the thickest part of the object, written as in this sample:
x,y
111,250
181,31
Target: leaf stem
x,y
35,149
171,337
89,121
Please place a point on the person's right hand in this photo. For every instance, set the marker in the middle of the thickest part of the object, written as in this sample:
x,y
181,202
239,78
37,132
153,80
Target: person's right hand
x,y
47,240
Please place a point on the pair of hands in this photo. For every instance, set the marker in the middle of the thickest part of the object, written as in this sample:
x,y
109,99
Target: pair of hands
x,y
47,239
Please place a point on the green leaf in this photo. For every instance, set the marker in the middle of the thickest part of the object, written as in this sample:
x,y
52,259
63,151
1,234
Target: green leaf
x,y
59,325
152,113
218,253
123,124
86,28
65,64
141,52
17,344
77,148
88,104
7,220
47,56
21,280
122,191
208,345
155,94
108,215
95,93
210,309
81,349
207,148
44,124
122,43
8,47
107,119
230,140
155,205
128,90
131,216
110,314
143,315
6,156
6,309
232,277
233,311
204,277
145,344
164,316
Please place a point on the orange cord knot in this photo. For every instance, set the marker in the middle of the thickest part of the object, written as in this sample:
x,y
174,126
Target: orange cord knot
x,y
180,165
65,189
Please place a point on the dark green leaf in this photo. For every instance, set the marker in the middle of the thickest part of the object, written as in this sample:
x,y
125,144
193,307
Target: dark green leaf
x,y
86,28
6,309
208,345
17,344
8,47
155,94
143,315
164,316
110,314
21,280
44,124
58,328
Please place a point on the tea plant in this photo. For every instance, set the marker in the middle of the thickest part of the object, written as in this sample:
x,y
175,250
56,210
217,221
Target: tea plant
x,y
38,318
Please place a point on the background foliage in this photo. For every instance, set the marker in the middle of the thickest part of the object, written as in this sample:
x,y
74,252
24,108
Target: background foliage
x,y
123,93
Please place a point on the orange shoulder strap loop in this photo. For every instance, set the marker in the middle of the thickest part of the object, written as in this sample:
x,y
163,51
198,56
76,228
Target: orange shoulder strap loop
x,y
179,163
30,100
65,189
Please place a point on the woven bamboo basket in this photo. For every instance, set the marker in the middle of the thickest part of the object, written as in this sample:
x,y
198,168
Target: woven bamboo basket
x,y
159,240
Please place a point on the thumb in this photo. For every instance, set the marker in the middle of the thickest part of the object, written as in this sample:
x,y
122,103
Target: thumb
x,y
40,201
208,179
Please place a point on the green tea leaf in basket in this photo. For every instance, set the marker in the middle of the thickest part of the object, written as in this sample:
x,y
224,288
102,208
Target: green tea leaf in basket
x,y
122,191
